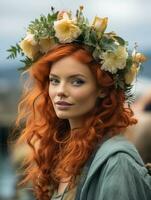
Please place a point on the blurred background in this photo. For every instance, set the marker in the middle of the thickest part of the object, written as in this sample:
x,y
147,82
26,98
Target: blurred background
x,y
131,19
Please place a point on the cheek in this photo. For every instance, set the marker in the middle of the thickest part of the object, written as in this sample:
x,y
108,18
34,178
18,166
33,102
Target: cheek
x,y
84,95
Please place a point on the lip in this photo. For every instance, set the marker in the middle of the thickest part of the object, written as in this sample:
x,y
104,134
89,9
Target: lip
x,y
63,103
63,107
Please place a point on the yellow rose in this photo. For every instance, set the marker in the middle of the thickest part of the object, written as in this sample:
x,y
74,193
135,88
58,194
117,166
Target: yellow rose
x,y
46,44
112,61
100,24
131,74
29,46
66,30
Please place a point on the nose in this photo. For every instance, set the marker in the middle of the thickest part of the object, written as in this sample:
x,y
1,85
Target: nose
x,y
62,91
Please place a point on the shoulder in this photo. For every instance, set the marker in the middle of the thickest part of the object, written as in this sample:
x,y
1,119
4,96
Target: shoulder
x,y
118,164
123,158
117,171
123,178
124,164
112,148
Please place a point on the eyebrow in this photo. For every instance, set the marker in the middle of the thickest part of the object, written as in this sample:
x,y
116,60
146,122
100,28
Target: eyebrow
x,y
69,76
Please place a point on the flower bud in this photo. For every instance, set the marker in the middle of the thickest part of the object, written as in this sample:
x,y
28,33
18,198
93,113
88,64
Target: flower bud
x,y
131,74
100,24
139,58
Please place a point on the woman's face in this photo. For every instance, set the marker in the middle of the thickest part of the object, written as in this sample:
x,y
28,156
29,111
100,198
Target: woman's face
x,y
72,82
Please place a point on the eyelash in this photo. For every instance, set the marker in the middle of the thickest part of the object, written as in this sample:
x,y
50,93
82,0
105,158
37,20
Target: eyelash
x,y
79,80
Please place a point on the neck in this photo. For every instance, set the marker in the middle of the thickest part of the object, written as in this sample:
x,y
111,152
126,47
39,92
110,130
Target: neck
x,y
76,123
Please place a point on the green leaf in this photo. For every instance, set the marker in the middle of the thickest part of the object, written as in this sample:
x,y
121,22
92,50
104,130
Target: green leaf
x,y
14,51
93,36
108,44
129,63
43,27
27,63
96,53
22,69
119,40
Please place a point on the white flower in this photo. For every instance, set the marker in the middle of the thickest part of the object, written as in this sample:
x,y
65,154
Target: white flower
x,y
66,30
112,61
29,46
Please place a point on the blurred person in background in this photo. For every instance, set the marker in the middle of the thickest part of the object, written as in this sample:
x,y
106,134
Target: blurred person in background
x,y
140,133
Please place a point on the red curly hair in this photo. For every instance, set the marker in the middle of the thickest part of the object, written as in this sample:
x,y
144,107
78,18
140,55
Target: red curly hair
x,y
56,151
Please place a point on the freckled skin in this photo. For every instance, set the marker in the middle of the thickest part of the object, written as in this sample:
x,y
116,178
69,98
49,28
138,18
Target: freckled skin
x,y
70,89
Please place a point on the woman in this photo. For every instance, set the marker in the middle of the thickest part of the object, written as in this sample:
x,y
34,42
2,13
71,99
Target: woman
x,y
73,112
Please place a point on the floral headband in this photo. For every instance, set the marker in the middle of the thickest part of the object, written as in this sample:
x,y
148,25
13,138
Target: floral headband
x,y
59,27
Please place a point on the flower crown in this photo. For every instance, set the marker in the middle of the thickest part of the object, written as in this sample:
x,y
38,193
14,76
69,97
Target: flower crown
x,y
59,27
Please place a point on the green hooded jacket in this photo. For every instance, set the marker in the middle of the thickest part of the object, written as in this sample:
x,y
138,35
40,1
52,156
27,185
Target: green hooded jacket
x,y
116,172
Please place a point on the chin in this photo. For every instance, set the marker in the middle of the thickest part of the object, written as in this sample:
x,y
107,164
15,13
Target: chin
x,y
62,115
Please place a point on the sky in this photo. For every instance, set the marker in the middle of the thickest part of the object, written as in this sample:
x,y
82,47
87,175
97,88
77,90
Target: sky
x,y
131,19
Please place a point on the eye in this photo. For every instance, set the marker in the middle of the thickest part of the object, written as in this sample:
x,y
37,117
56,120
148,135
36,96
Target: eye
x,y
53,81
78,82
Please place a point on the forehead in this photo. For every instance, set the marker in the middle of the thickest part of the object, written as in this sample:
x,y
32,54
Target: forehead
x,y
68,66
